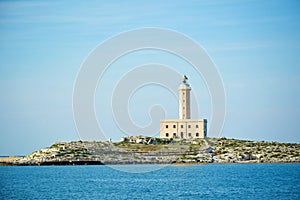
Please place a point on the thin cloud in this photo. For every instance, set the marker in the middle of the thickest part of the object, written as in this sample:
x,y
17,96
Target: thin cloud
x,y
240,46
26,4
235,22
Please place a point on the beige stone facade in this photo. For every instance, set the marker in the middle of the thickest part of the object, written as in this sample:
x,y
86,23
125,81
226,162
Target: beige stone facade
x,y
184,127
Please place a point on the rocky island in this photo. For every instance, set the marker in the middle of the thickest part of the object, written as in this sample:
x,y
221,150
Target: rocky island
x,y
149,150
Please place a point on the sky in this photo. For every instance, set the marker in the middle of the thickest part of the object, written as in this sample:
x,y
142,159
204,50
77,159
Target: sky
x,y
254,45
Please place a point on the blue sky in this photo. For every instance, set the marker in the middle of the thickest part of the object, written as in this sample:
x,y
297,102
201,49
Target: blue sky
x,y
254,44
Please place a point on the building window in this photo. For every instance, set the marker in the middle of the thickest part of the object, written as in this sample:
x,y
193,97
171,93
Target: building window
x,y
174,126
181,134
190,134
167,134
181,126
167,126
174,134
197,134
189,126
197,126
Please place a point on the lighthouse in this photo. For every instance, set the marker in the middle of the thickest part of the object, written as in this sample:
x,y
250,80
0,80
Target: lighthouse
x,y
184,99
184,127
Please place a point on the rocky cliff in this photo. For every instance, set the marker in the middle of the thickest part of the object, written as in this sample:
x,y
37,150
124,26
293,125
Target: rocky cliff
x,y
146,150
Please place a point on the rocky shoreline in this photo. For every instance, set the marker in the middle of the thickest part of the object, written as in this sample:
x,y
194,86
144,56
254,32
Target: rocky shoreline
x,y
146,150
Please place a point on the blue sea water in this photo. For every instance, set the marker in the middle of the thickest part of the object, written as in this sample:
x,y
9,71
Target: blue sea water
x,y
211,181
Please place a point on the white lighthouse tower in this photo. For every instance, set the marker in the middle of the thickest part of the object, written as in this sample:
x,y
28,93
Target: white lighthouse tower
x,y
184,99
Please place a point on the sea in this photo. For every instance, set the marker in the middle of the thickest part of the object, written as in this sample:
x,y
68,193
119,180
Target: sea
x,y
207,181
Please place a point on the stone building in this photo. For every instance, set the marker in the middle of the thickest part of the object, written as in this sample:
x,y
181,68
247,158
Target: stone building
x,y
184,127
